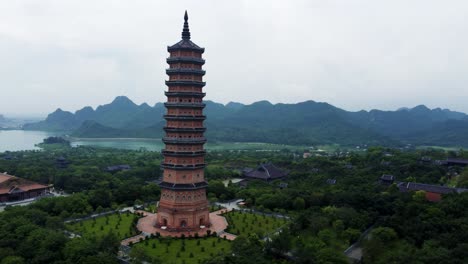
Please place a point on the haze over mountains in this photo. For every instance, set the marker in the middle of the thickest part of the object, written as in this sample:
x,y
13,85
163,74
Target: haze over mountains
x,y
302,123
7,122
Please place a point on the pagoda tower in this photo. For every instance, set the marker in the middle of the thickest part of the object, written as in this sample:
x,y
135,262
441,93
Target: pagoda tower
x,y
183,205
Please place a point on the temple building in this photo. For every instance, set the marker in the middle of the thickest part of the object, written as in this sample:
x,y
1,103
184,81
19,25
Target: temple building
x,y
183,205
433,192
266,172
14,188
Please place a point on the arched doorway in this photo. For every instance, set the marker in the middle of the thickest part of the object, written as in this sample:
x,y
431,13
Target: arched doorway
x,y
183,223
202,221
164,222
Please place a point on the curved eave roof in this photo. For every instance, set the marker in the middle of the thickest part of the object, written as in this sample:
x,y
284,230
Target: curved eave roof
x,y
185,44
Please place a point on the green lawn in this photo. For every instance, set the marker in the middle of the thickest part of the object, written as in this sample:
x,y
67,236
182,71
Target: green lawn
x,y
120,224
244,223
172,251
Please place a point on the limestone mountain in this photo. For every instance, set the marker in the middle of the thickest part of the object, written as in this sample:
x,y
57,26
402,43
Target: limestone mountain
x,y
301,123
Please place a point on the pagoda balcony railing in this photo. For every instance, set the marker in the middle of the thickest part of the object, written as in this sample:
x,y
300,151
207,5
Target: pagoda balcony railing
x,y
195,60
183,186
185,105
183,153
186,82
185,70
177,140
185,94
185,129
185,117
183,166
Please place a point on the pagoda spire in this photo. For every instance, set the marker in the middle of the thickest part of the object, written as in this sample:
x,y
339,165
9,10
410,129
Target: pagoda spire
x,y
186,31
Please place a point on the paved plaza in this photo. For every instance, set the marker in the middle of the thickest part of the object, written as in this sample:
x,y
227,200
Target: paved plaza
x,y
147,223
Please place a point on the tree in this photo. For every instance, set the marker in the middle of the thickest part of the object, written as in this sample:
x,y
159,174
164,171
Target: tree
x,y
463,179
419,196
78,247
299,203
138,255
378,242
328,255
338,225
307,250
326,236
280,244
13,260
247,250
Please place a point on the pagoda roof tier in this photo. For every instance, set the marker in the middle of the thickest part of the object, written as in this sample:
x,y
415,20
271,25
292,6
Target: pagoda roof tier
x,y
183,166
184,105
184,83
183,153
185,94
184,117
194,60
184,129
175,140
185,71
187,45
183,186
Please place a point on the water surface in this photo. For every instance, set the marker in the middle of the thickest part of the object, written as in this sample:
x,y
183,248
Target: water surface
x,y
15,140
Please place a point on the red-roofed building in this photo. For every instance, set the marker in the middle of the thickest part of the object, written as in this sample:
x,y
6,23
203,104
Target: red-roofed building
x,y
13,188
433,192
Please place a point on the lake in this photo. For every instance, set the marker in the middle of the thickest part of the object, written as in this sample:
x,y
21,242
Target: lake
x,y
16,140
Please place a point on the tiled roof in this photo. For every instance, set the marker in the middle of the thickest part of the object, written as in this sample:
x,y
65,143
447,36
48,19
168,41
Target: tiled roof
x,y
266,172
9,183
185,44
119,167
413,186
331,181
387,177
4,177
457,161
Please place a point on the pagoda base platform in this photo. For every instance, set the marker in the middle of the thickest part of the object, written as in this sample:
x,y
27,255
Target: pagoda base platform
x,y
218,224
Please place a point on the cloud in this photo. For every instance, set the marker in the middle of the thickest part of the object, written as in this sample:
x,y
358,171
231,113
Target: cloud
x,y
359,54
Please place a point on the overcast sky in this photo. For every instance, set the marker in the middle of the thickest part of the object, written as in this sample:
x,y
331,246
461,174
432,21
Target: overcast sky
x,y
354,54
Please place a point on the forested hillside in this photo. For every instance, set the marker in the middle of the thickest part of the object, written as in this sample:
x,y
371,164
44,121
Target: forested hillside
x,y
302,123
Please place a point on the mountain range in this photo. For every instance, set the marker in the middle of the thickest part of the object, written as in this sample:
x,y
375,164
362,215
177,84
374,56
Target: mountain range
x,y
307,122
12,123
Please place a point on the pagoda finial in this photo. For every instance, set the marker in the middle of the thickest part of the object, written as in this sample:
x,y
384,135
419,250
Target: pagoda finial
x,y
186,31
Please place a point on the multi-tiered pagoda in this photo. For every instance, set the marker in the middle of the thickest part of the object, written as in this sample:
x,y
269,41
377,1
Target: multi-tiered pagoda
x,y
183,205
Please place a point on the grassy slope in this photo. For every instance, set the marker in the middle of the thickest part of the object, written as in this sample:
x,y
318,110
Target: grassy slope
x,y
167,249
242,223
99,227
